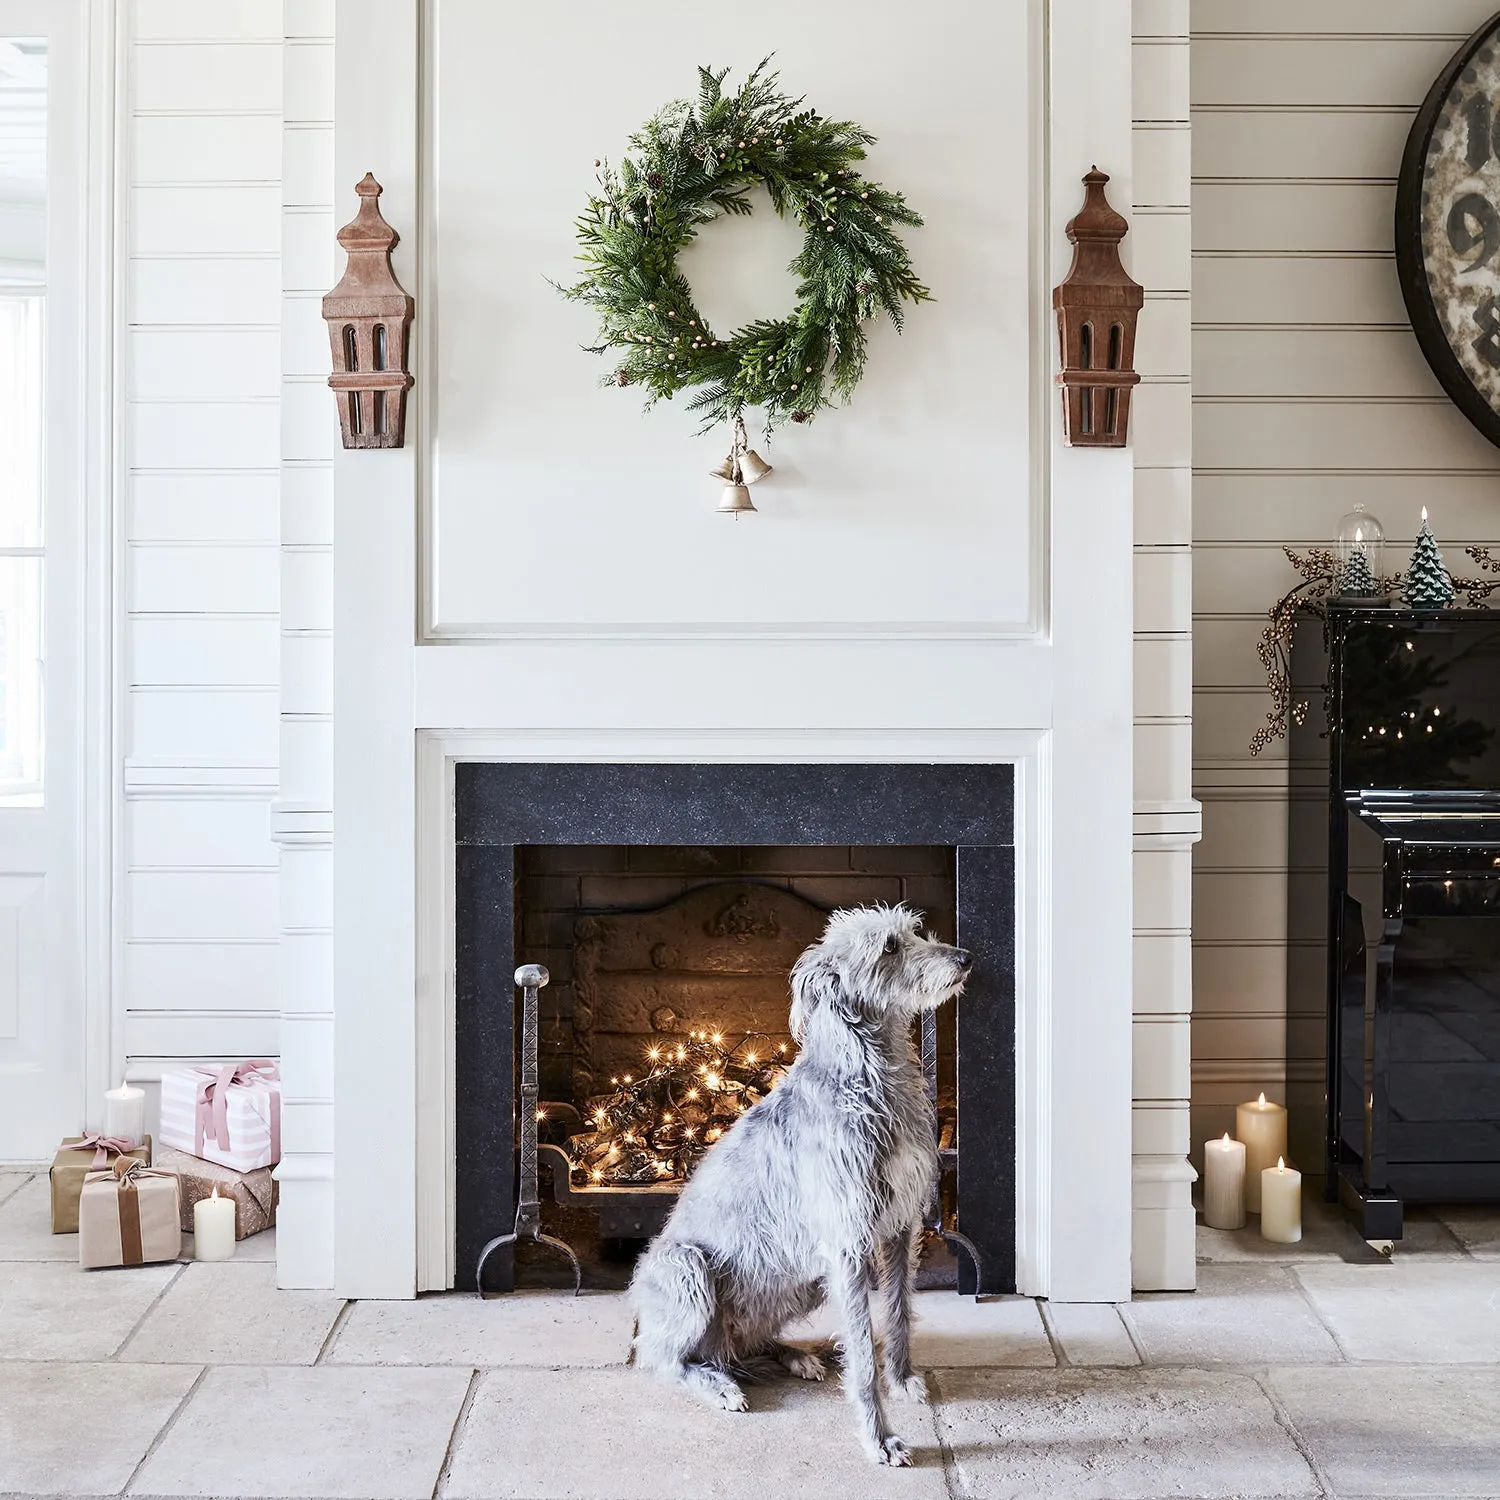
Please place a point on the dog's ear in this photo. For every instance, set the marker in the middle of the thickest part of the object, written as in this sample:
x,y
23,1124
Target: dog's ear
x,y
815,982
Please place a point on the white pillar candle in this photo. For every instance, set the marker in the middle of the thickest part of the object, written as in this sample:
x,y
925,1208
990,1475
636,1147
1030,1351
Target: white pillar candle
x,y
1262,1127
1224,1183
213,1227
1281,1204
125,1113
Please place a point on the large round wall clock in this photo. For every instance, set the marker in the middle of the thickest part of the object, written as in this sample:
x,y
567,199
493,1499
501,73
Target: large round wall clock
x,y
1448,228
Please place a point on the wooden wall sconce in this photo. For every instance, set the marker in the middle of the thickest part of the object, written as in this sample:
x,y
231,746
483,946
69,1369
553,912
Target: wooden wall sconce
x,y
369,317
1097,305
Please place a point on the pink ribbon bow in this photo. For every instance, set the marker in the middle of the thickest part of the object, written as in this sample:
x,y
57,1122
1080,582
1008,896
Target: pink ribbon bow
x,y
103,1146
212,1112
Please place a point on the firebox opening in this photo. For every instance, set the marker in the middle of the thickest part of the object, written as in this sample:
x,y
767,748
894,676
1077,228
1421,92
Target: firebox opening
x,y
666,1012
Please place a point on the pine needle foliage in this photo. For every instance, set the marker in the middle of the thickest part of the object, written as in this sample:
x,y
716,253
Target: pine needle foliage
x,y
695,161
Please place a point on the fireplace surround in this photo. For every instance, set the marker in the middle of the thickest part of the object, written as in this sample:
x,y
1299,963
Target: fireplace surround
x,y
503,809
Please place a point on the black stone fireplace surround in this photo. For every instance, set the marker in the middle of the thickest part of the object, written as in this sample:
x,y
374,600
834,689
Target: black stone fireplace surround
x,y
499,806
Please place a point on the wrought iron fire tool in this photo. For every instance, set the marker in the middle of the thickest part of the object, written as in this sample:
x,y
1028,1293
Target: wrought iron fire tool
x,y
934,1223
530,977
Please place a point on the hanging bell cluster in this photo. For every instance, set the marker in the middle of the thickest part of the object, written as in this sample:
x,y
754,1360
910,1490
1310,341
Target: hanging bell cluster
x,y
740,468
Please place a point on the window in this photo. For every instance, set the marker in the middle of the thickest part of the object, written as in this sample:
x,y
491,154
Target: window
x,y
23,107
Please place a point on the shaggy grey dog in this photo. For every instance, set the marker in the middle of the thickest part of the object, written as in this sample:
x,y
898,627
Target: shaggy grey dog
x,y
818,1190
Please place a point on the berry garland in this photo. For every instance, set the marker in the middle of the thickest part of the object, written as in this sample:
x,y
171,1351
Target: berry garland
x,y
692,163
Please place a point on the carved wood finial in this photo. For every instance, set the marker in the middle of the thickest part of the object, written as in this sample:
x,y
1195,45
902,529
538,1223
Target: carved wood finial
x,y
369,315
1097,305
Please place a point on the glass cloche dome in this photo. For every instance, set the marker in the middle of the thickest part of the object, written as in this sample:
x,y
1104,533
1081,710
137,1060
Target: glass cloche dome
x,y
1360,552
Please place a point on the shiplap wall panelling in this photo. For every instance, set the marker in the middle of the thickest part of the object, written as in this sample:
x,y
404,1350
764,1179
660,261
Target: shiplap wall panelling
x,y
201,384
1166,818
303,813
1309,394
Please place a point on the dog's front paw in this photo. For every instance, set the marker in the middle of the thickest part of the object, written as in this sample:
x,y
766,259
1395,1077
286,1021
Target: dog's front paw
x,y
732,1398
911,1388
895,1453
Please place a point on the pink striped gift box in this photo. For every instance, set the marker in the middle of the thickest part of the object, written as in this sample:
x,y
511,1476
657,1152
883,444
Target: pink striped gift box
x,y
229,1113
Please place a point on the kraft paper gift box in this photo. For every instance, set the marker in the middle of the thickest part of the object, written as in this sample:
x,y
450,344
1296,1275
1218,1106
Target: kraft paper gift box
x,y
76,1158
129,1215
254,1193
229,1114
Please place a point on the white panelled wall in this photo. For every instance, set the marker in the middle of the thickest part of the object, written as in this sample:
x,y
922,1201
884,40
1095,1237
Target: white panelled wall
x,y
200,154
1310,394
1167,819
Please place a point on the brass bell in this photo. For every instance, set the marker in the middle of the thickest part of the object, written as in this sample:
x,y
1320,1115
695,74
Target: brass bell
x,y
735,500
724,470
754,466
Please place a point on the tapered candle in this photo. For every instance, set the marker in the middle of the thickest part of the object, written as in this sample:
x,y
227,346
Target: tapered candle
x,y
125,1113
1262,1127
213,1227
1224,1183
1281,1204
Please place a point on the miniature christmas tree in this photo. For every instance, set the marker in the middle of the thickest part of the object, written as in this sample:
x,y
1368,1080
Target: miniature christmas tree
x,y
1428,585
655,1127
1358,580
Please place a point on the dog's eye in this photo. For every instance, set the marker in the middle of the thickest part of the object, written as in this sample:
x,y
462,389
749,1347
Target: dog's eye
x,y
891,944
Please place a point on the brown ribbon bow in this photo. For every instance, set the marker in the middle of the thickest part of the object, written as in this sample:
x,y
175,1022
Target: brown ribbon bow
x,y
127,1171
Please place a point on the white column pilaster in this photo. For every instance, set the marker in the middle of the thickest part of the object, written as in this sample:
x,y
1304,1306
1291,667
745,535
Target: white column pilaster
x,y
302,816
1167,820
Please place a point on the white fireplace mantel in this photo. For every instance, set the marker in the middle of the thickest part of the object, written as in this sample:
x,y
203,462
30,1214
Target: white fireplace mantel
x,y
1046,685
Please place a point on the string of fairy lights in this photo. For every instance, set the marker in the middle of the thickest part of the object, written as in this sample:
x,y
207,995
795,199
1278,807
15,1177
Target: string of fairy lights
x,y
656,1126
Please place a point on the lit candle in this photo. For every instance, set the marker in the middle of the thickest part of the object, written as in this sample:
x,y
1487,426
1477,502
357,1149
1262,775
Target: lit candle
x,y
125,1113
1281,1204
1262,1127
1224,1183
213,1227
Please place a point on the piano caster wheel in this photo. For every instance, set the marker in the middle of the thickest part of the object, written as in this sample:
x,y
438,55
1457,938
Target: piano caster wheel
x,y
1387,1248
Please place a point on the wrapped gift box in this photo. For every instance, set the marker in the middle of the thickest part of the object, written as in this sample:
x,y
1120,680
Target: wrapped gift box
x,y
254,1193
76,1158
129,1215
227,1114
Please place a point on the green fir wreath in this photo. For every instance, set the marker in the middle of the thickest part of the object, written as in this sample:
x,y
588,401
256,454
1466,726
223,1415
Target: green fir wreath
x,y
692,163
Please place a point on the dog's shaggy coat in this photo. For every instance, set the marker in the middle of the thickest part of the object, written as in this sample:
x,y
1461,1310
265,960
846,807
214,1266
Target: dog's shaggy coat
x,y
819,1190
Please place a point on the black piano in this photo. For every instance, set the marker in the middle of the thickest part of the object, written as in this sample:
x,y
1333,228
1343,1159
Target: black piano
x,y
1395,816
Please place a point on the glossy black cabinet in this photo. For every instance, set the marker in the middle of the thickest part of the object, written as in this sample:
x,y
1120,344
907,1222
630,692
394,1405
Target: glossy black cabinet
x,y
1395,820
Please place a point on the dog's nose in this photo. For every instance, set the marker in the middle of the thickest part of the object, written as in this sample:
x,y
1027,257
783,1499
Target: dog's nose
x,y
962,957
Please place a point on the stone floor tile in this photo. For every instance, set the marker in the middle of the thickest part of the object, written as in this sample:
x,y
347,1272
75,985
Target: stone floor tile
x,y
26,1225
1438,1314
230,1313
1240,1315
622,1435
1475,1226
1114,1435
1398,1431
1091,1333
53,1420
282,1432
10,1181
951,1330
1327,1234
57,1312
524,1328
259,1247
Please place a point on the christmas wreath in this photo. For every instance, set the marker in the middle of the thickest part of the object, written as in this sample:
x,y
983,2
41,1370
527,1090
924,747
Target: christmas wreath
x,y
692,163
